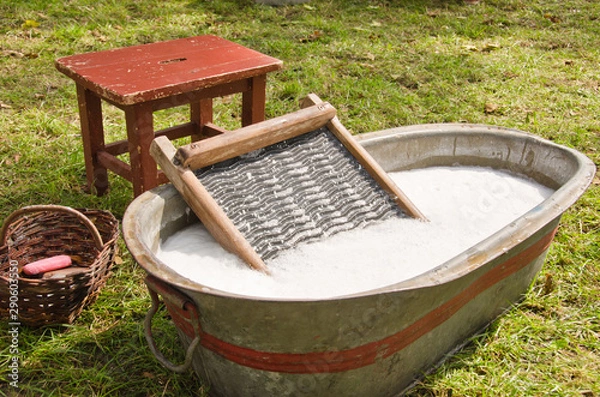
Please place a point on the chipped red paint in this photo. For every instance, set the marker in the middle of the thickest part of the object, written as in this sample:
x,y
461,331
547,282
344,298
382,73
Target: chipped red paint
x,y
147,72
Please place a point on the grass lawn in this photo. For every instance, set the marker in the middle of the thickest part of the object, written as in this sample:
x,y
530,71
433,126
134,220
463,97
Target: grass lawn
x,y
531,65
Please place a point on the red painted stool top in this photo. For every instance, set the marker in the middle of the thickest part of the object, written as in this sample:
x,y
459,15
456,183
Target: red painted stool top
x,y
131,75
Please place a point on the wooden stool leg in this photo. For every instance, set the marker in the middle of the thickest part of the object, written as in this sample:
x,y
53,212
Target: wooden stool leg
x,y
253,101
140,133
92,134
201,113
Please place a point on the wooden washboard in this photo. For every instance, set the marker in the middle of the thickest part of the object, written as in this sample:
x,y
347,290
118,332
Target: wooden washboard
x,y
274,172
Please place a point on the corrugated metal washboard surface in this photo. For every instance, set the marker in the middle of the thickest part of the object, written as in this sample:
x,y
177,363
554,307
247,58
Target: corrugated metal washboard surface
x,y
274,184
299,190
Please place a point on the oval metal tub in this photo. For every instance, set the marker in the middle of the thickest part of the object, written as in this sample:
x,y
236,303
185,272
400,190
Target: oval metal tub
x,y
375,343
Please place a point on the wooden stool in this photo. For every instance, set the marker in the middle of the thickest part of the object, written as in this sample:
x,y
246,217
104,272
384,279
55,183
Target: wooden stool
x,y
143,79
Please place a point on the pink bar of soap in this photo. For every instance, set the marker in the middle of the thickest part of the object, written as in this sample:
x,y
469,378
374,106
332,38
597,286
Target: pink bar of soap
x,y
47,264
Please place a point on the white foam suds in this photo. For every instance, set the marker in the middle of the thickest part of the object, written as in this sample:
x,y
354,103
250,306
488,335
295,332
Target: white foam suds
x,y
464,205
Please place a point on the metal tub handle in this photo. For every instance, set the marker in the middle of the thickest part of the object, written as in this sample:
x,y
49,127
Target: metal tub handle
x,y
173,300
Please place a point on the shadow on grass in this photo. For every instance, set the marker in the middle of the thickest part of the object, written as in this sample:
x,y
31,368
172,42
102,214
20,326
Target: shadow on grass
x,y
101,359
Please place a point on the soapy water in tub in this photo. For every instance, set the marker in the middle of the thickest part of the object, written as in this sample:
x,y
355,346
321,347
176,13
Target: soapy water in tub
x,y
464,205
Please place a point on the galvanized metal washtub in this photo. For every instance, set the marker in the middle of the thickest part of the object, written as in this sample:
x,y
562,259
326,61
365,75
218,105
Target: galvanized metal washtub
x,y
374,343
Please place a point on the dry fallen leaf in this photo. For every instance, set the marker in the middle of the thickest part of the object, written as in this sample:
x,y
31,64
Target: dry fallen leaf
x,y
14,160
552,18
313,37
490,47
12,53
99,36
548,284
491,108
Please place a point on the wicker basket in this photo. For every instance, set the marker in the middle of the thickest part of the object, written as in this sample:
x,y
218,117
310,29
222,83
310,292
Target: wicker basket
x,y
40,231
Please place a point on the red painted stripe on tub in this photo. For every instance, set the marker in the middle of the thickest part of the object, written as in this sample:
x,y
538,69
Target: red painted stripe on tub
x,y
339,361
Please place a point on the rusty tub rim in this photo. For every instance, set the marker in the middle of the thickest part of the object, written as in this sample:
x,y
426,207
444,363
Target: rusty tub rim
x,y
476,256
